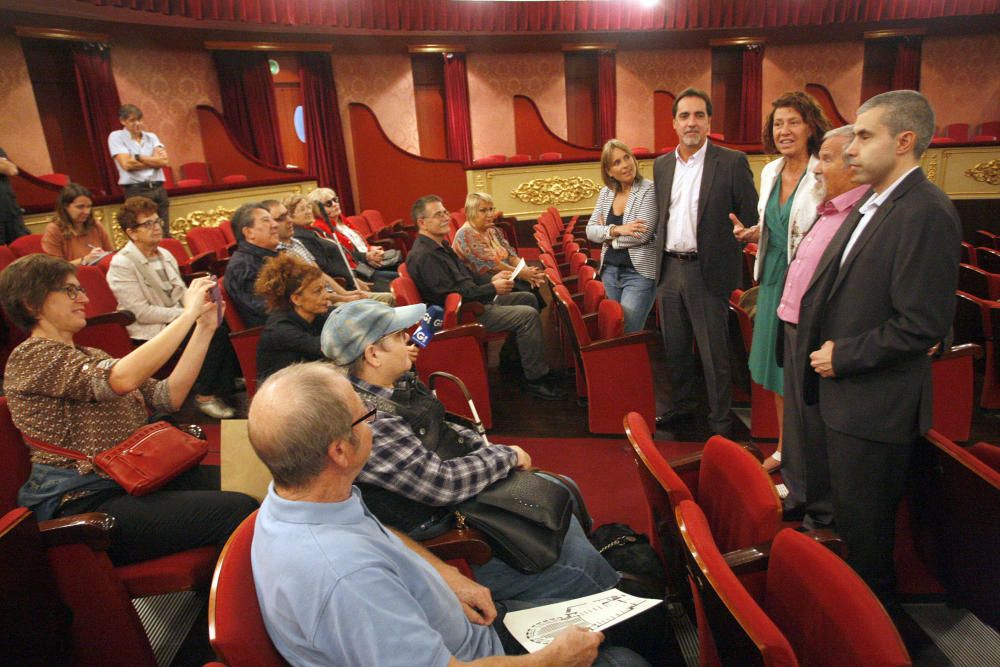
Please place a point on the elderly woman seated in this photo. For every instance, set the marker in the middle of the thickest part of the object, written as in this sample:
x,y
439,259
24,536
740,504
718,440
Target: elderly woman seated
x,y
146,280
299,298
81,399
74,235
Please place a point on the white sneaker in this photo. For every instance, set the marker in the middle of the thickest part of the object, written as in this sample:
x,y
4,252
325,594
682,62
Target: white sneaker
x,y
215,408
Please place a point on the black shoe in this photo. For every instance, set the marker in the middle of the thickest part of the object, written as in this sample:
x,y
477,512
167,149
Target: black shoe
x,y
796,513
673,418
542,389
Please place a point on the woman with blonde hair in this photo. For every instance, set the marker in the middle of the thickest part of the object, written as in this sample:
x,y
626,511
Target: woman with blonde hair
x,y
74,235
623,222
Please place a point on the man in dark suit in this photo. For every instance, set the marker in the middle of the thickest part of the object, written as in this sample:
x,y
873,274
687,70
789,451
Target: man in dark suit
x,y
697,187
883,294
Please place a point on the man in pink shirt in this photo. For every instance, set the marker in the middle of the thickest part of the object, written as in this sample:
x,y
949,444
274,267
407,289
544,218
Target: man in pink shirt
x,y
804,466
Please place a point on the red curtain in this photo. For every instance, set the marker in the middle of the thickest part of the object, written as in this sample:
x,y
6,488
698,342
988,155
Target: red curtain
x,y
612,15
906,74
457,121
324,132
100,103
248,105
751,93
607,96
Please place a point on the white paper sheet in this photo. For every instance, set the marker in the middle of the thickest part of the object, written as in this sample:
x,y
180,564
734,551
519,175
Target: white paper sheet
x,y
517,269
535,628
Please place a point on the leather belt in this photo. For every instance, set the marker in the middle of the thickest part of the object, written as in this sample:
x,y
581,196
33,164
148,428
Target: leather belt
x,y
683,256
152,185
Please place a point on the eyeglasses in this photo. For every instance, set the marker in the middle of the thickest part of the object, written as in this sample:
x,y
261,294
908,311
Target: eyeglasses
x,y
72,291
331,202
366,418
148,224
439,215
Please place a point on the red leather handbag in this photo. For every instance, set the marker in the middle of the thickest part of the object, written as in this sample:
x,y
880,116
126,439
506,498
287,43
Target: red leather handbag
x,y
146,460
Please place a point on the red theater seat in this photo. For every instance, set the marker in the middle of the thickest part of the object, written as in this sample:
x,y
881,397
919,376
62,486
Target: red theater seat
x,y
763,413
7,257
196,170
989,128
520,157
245,344
62,180
641,151
208,239
168,178
957,131
954,391
27,245
234,178
551,155
190,183
488,161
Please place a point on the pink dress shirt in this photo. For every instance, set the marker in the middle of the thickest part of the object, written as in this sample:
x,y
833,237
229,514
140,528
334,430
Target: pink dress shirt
x,y
800,272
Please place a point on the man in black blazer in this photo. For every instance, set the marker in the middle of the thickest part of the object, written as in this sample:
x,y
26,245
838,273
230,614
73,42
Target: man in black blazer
x,y
883,295
697,187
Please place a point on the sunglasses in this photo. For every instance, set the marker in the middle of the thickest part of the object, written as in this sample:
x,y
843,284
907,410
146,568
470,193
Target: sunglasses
x,y
331,202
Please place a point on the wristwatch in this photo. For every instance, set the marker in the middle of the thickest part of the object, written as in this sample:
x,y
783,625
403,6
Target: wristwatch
x,y
136,157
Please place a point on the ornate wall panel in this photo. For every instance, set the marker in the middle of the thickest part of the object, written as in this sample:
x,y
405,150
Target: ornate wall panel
x,y
836,65
959,76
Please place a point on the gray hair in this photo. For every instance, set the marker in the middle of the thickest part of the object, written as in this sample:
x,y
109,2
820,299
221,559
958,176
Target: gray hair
x,y
243,218
906,111
843,131
294,417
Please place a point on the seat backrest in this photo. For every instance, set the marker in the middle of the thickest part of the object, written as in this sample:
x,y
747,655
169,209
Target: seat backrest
x,y
741,633
957,131
245,345
991,127
168,177
226,226
550,155
402,270
576,261
232,315
235,623
593,295
810,587
376,223
177,249
973,280
405,291
610,320
100,297
207,239
519,157
737,496
987,453
27,245
572,318
198,170
586,274
7,256
15,459
104,264
234,178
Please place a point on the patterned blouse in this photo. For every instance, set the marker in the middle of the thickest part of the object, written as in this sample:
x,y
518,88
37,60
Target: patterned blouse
x,y
60,394
482,251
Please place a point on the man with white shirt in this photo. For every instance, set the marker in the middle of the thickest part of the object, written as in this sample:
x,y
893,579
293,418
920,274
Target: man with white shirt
x,y
140,157
697,187
882,295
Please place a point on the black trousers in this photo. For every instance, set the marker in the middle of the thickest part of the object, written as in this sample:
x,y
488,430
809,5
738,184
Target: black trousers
x,y
158,194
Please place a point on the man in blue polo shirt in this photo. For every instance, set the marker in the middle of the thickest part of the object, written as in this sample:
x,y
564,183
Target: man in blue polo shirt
x,y
334,585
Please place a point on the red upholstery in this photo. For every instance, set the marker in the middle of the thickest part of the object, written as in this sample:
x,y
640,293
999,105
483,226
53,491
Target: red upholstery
x,y
739,627
234,178
375,220
208,239
856,630
610,320
987,238
987,453
245,344
232,316
990,127
198,170
593,295
190,183
100,297
168,177
953,395
968,255
486,161
226,226
235,624
519,157
957,131
62,180
666,149
7,256
360,224
641,151
16,463
763,413
610,394
27,245
105,263
177,249
550,156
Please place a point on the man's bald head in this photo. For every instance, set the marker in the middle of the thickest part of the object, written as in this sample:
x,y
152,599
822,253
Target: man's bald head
x,y
295,416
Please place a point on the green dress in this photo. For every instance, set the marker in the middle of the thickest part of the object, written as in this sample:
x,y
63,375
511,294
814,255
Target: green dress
x,y
764,367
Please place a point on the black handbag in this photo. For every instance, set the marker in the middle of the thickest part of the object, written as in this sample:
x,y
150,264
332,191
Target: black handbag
x,y
524,517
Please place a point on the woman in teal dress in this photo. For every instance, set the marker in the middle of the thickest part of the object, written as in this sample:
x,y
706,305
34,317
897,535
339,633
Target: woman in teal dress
x,y
787,209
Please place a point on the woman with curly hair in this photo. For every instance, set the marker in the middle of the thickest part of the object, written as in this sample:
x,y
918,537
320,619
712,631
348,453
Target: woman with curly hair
x,y
74,235
298,299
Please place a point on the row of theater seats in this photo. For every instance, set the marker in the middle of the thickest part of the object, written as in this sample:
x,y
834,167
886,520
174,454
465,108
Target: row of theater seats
x,y
987,132
193,174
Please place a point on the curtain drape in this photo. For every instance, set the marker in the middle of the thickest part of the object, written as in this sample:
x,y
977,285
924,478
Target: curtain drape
x,y
457,120
555,16
906,74
248,105
324,132
607,96
100,103
751,93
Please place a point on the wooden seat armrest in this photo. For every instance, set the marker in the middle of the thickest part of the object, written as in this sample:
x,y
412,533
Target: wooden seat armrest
x,y
382,243
122,317
190,277
462,330
92,529
467,543
247,333
683,464
589,317
202,261
966,350
755,558
643,337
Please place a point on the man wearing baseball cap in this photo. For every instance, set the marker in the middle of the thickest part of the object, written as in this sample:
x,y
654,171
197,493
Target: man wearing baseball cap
x,y
407,484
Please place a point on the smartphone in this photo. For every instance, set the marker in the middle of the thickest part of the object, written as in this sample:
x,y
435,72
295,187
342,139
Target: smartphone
x,y
216,294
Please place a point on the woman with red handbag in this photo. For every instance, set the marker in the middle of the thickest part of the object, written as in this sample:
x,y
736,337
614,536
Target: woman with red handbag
x,y
81,400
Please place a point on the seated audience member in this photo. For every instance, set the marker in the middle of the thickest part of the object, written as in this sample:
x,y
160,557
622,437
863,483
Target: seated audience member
x,y
147,281
81,399
370,263
328,254
335,586
256,241
298,299
482,246
436,270
406,484
289,244
74,235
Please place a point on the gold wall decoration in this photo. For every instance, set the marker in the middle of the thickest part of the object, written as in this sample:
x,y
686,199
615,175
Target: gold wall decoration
x,y
555,190
985,172
929,163
211,218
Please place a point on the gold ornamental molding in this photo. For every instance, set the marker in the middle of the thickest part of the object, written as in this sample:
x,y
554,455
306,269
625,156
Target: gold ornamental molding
x,y
985,172
211,218
555,190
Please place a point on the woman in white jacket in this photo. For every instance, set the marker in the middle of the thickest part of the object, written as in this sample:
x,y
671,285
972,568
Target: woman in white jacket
x,y
786,209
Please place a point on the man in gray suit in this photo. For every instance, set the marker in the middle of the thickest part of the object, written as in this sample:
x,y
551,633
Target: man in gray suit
x,y
697,187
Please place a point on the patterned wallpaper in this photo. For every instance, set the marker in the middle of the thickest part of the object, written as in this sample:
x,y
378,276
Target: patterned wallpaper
x,y
639,73
494,79
167,84
958,75
836,65
21,132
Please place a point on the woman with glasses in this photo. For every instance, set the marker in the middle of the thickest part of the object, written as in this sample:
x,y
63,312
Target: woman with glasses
x,y
146,280
371,263
483,248
74,235
81,399
299,298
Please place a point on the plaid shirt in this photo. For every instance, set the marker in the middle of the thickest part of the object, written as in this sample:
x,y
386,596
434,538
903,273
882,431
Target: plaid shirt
x,y
400,463
297,248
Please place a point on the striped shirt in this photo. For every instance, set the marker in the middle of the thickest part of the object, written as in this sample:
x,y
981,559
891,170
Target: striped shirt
x,y
641,205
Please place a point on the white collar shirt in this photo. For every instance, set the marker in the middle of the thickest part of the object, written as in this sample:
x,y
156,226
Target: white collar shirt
x,y
867,212
682,228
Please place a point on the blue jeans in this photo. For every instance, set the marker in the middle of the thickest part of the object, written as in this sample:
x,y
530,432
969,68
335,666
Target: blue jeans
x,y
633,291
579,571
